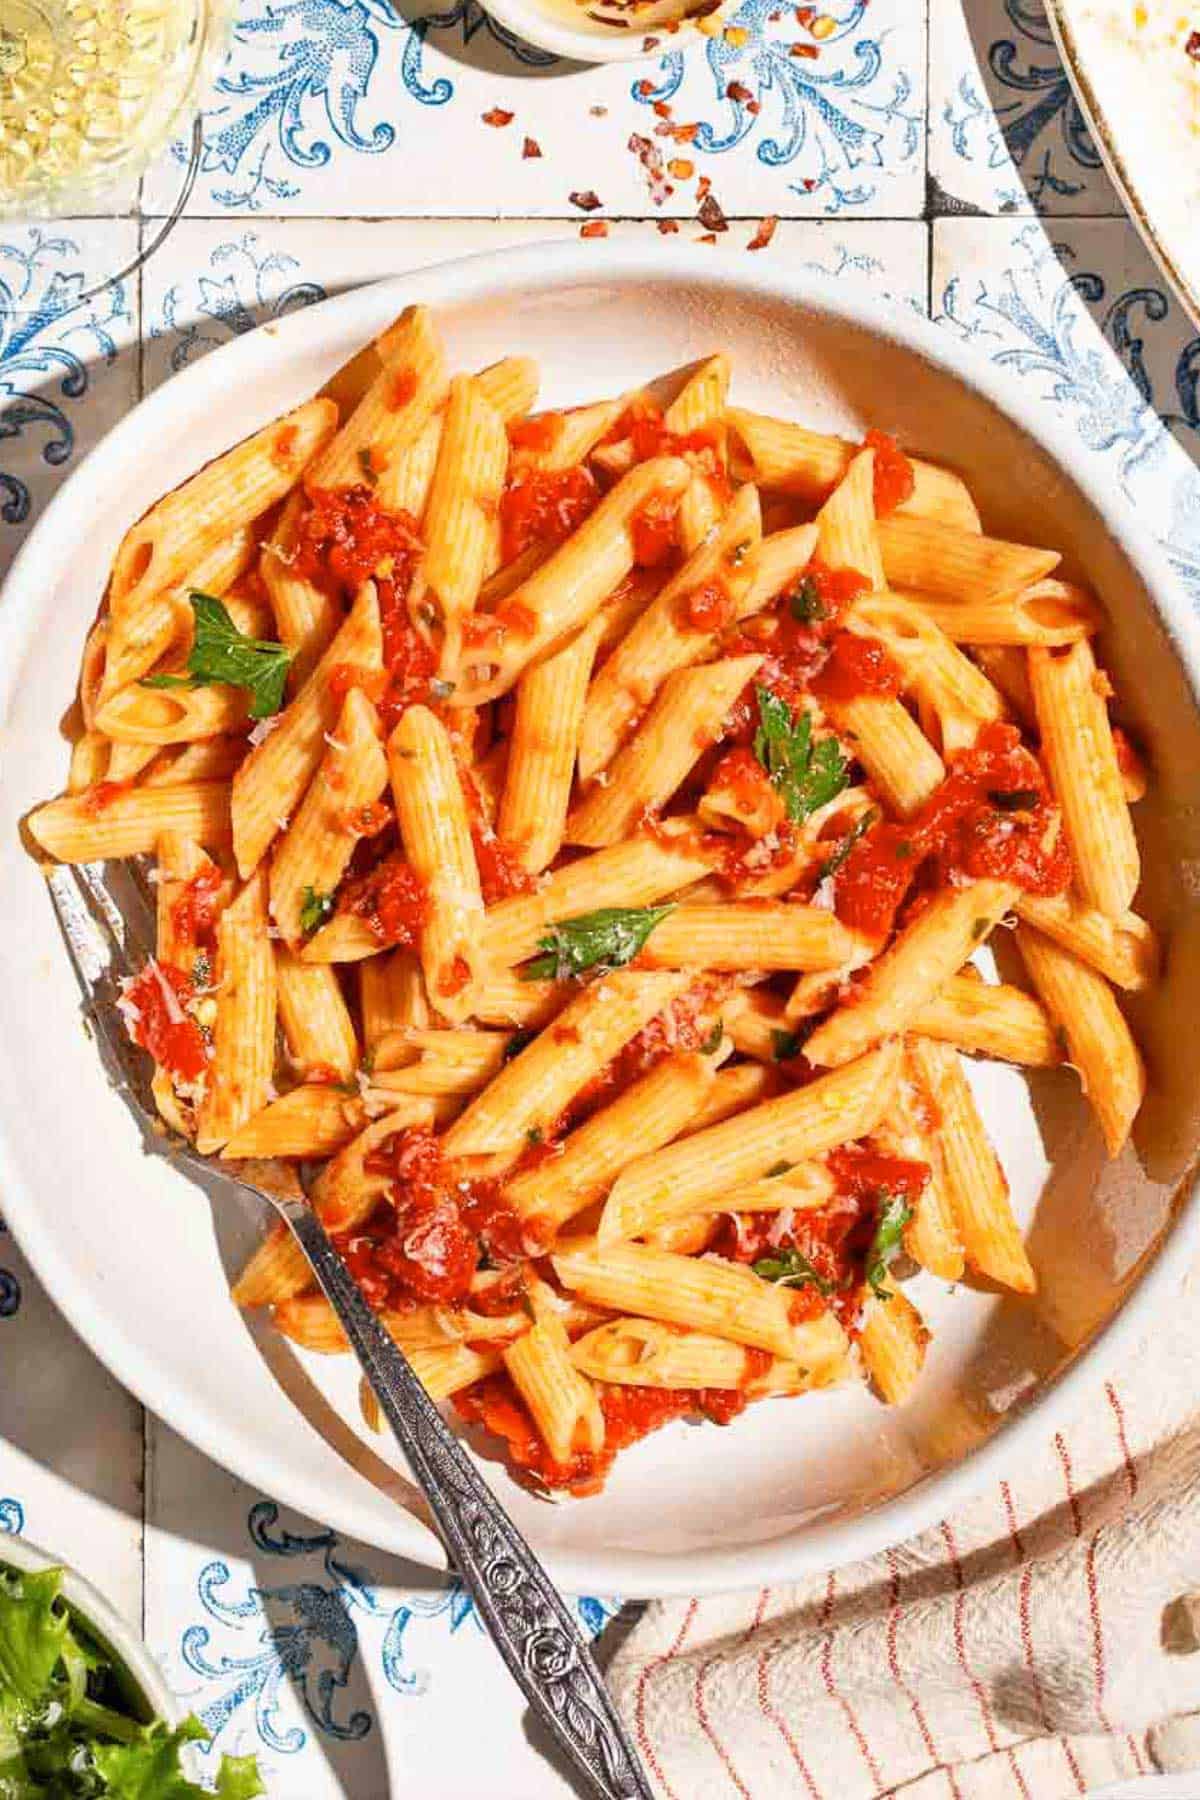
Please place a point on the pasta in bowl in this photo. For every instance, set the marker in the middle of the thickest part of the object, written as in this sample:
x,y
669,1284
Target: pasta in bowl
x,y
581,832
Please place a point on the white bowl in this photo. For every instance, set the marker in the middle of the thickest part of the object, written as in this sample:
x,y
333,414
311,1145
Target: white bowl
x,y
104,1623
137,1260
568,28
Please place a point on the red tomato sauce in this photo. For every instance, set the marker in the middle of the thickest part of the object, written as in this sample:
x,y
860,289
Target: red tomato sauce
x,y
346,537
99,798
643,424
793,639
894,478
680,1026
856,665
862,1173
428,1240
391,898
544,506
154,1009
990,817
741,775
653,532
707,608
194,914
630,1413
541,432
500,871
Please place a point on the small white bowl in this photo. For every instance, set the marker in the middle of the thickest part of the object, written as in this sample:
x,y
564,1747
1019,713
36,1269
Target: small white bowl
x,y
103,1623
572,28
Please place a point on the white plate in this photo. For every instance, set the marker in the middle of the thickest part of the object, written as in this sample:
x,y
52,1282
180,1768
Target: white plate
x,y
1140,94
133,1254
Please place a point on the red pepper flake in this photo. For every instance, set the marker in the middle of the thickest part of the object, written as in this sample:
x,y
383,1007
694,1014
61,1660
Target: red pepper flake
x,y
707,237
764,234
498,115
661,109
710,214
650,43
804,52
808,184
685,134
1192,47
668,227
737,90
594,228
644,88
587,201
598,112
703,186
530,149
805,15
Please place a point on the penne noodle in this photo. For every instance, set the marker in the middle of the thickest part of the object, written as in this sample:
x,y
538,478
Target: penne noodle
x,y
311,1121
967,1169
713,1296
911,971
570,436
892,1345
1081,760
1125,949
532,1090
316,1021
345,939
447,1062
991,1020
460,518
270,783
1050,613
931,1236
963,566
937,673
88,826
563,1403
148,626
89,761
846,535
410,385
635,873
188,524
505,999
212,759
891,747
431,812
789,459
666,637
306,616
748,934
796,1127
564,592
649,1354
152,716
308,866
1100,1044
391,996
648,1114
541,753
243,1062
688,716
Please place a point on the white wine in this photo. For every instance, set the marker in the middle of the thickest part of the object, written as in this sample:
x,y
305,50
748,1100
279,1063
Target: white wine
x,y
90,90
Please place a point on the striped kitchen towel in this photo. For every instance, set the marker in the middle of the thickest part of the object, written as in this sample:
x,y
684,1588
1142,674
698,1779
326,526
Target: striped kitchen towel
x,y
1044,1640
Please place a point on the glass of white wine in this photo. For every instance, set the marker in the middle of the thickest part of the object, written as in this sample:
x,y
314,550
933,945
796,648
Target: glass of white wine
x,y
92,90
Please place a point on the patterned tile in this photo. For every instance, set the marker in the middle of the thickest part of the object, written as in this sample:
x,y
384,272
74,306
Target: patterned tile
x,y
68,369
1005,134
217,278
329,107
296,1644
1066,317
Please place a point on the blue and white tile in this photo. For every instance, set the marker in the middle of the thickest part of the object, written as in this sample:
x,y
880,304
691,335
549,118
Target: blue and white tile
x,y
215,279
1088,321
343,1669
70,1442
1005,132
347,106
68,365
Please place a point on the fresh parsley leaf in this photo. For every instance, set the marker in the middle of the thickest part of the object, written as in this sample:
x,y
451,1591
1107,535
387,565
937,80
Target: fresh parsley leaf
x,y
806,602
791,1268
859,829
367,465
894,1215
778,1168
712,1042
314,910
222,655
807,775
597,942
535,1136
784,1045
1014,799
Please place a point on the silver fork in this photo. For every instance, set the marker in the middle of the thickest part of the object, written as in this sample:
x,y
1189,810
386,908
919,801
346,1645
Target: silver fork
x,y
107,919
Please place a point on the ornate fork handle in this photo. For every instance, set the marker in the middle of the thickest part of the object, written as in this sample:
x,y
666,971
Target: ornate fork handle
x,y
526,1616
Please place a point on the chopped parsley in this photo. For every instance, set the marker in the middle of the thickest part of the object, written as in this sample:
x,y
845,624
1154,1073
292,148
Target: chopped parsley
x,y
894,1215
805,602
859,829
778,1168
367,465
807,775
784,1045
221,655
791,1268
534,1136
314,910
595,942
520,1040
712,1042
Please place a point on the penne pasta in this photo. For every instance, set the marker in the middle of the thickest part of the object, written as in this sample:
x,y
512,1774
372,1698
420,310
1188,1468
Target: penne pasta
x,y
748,934
892,1345
1125,949
991,1020
316,1021
1049,613
962,566
312,1121
410,385
540,763
460,517
119,821
239,1080
391,996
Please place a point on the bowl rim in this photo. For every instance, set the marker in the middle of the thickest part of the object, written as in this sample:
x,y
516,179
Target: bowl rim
x,y
540,28
101,1618
812,1547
